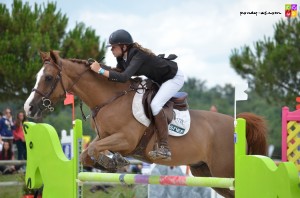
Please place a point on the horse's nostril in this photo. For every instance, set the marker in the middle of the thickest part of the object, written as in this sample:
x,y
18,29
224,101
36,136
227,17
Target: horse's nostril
x,y
30,108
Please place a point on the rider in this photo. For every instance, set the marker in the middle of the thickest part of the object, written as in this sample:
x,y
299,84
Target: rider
x,y
134,60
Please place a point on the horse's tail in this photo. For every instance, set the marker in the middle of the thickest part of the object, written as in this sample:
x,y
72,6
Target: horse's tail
x,y
256,133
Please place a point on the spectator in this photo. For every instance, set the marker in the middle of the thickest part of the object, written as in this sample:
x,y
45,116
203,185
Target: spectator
x,y
1,143
137,169
213,108
7,154
18,134
7,125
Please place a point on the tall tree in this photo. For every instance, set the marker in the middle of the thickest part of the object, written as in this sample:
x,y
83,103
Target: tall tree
x,y
272,66
26,30
73,44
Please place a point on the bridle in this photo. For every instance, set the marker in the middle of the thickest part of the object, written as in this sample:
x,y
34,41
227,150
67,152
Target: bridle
x,y
46,102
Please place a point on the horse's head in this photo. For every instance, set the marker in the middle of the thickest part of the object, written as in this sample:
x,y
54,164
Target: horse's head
x,y
48,88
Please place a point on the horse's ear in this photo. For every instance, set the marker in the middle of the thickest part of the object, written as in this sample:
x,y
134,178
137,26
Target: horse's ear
x,y
55,56
44,55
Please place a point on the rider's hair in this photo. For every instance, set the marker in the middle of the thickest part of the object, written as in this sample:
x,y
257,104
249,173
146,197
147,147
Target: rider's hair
x,y
147,51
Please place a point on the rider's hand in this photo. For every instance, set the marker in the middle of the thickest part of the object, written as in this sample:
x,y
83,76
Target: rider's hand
x,y
95,66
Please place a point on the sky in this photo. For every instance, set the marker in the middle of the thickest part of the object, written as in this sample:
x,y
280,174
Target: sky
x,y
201,33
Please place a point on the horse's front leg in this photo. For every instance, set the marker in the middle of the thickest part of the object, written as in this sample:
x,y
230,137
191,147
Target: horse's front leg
x,y
103,162
88,160
114,143
85,159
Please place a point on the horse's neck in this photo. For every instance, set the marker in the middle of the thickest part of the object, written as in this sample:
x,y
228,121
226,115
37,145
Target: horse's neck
x,y
93,89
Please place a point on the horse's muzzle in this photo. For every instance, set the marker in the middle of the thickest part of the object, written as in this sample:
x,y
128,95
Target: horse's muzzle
x,y
34,111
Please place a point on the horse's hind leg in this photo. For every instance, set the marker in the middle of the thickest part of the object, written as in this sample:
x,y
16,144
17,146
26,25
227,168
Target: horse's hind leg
x,y
225,192
223,168
202,170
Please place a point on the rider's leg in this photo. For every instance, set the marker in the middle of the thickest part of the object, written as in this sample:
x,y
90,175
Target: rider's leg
x,y
163,151
167,90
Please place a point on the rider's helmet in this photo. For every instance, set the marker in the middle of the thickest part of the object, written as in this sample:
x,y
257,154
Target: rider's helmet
x,y
120,37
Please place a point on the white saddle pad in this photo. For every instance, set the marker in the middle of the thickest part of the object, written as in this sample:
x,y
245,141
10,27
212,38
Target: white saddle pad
x,y
179,126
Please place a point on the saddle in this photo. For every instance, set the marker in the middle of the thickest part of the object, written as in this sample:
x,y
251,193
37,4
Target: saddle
x,y
178,101
150,88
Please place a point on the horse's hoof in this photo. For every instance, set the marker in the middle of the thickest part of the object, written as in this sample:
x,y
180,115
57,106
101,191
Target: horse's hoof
x,y
87,162
120,161
106,162
86,159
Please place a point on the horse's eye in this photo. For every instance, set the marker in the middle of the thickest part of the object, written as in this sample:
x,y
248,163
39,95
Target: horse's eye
x,y
49,78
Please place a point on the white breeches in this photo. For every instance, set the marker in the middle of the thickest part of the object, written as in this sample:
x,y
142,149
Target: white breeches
x,y
166,91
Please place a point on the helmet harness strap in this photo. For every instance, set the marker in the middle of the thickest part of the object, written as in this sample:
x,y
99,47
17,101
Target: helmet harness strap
x,y
124,48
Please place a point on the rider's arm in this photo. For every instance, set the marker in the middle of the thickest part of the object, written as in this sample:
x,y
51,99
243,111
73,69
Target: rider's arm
x,y
134,65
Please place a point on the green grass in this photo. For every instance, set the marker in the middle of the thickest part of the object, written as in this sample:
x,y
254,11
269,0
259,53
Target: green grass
x,y
116,191
10,191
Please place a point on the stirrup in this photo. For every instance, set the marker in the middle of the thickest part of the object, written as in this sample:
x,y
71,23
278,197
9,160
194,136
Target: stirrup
x,y
162,153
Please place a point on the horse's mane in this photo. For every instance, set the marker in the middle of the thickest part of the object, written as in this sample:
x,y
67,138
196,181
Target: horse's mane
x,y
85,62
75,60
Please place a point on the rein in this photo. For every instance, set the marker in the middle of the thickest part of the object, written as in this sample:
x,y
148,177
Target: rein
x,y
134,86
97,108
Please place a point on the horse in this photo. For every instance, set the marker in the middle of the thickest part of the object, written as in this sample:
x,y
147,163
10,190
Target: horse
x,y
208,147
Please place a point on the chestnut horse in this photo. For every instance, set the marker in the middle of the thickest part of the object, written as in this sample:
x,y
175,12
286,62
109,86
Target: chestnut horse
x,y
208,147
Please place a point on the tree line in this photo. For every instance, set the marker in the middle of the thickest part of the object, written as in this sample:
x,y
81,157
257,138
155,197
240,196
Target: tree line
x,y
26,30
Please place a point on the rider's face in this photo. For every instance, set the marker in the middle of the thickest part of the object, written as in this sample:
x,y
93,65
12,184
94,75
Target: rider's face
x,y
116,50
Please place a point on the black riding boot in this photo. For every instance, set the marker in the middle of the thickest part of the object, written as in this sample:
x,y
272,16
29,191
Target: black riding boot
x,y
163,150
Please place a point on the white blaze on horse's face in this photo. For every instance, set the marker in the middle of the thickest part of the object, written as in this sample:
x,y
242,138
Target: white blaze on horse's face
x,y
27,107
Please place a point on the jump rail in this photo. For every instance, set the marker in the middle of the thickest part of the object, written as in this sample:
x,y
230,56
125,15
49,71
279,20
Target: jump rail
x,y
159,180
255,176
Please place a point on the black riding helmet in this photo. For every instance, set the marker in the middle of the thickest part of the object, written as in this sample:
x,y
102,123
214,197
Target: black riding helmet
x,y
120,37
